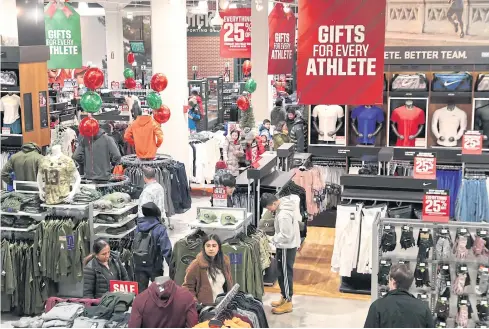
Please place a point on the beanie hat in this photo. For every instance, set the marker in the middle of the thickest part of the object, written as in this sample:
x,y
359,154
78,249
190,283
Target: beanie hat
x,y
151,210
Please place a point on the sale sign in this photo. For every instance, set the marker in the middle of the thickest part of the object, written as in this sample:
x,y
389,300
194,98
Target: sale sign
x,y
341,49
123,286
424,166
472,142
235,33
436,206
281,41
219,197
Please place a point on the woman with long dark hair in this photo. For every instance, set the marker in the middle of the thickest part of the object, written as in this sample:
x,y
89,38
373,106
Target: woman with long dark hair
x,y
101,266
210,273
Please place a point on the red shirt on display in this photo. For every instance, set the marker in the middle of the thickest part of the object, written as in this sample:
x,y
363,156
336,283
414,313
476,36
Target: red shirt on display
x,y
408,121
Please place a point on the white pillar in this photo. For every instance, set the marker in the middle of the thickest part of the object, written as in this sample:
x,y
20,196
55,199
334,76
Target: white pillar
x,y
114,43
262,97
169,56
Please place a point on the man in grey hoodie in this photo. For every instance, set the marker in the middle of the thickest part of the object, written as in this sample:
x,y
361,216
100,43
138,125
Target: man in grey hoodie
x,y
286,213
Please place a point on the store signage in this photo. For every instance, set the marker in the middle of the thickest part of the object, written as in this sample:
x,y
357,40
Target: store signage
x,y
200,25
436,55
472,142
123,286
281,41
219,197
235,33
436,206
340,49
63,36
114,85
424,166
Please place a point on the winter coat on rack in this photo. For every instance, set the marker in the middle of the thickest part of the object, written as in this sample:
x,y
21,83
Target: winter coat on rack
x,y
231,151
24,164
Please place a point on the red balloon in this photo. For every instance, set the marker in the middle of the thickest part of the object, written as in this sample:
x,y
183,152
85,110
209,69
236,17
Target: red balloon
x,y
162,115
130,58
93,78
243,103
247,67
130,83
159,82
88,127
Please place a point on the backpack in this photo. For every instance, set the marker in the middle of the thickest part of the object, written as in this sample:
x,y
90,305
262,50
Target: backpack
x,y
144,249
452,82
409,82
483,82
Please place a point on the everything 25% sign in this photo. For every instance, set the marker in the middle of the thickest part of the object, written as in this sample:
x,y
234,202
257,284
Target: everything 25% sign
x,y
436,206
424,166
237,32
472,142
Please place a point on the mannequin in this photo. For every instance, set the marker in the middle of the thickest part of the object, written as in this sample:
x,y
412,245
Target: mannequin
x,y
448,125
56,173
481,122
367,122
145,134
327,120
407,122
10,106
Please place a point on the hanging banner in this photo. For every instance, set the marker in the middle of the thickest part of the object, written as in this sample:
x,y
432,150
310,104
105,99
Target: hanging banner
x,y
63,36
281,41
341,52
235,33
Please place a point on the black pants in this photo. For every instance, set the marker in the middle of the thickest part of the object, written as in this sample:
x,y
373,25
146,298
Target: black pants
x,y
286,259
458,13
142,277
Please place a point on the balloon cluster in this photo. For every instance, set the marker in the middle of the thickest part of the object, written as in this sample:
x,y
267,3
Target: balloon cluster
x,y
130,83
161,112
243,101
91,101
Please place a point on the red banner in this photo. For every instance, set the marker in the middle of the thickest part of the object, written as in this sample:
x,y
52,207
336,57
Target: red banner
x,y
281,41
341,52
236,33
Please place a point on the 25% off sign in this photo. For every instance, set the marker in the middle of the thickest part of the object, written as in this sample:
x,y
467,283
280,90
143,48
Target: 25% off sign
x,y
235,33
424,166
436,206
472,142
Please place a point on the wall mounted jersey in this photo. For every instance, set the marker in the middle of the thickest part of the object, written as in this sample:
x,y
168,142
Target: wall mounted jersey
x,y
367,119
57,175
328,116
481,121
408,121
448,123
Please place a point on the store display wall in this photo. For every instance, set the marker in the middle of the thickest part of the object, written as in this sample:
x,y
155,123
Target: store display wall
x,y
203,52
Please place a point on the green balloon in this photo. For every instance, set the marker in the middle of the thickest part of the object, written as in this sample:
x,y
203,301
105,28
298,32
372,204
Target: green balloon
x,y
154,100
250,85
91,102
128,73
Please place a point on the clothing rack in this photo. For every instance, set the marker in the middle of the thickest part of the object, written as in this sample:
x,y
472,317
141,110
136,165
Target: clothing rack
x,y
133,160
226,300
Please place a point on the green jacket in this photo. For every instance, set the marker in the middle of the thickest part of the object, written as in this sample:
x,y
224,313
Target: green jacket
x,y
24,164
279,139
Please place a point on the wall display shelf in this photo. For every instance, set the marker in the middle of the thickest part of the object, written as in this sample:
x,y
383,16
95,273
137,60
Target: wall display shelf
x,y
115,236
243,217
123,222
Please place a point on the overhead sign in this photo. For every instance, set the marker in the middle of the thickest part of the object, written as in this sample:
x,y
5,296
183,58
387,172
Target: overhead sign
x,y
281,41
235,33
424,166
340,49
436,206
200,25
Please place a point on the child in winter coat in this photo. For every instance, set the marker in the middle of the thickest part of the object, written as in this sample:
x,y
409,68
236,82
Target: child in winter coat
x,y
265,134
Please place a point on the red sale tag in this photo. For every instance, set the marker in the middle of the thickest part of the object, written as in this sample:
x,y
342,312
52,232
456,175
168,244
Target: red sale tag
x,y
219,197
472,142
123,286
436,206
424,166
235,33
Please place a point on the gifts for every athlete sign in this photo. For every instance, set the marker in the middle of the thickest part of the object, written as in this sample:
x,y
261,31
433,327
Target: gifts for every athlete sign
x,y
281,41
341,51
235,33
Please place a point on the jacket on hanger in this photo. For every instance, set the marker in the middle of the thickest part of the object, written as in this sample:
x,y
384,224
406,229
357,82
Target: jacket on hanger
x,y
146,135
24,164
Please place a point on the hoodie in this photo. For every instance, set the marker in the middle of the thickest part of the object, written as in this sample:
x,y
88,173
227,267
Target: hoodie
x,y
278,114
23,164
165,306
297,133
146,135
97,155
160,236
287,218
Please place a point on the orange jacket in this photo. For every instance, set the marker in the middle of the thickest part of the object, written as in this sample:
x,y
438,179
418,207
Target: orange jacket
x,y
146,135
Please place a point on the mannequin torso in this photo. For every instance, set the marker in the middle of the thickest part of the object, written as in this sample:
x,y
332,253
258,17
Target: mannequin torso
x,y
448,125
407,123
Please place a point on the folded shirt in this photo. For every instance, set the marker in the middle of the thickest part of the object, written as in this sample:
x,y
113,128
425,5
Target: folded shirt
x,y
64,311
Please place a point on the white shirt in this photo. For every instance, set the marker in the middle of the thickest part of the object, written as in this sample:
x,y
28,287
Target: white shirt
x,y
448,123
217,286
328,116
9,105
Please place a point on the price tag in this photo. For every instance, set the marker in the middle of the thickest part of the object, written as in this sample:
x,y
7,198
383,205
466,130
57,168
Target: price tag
x,y
449,283
219,197
436,206
483,232
424,166
444,231
463,230
463,301
387,227
235,33
443,299
483,302
463,268
472,142
422,264
5,130
445,267
485,269
383,262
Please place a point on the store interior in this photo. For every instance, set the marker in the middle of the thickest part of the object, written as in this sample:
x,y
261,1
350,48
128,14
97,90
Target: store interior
x,y
96,93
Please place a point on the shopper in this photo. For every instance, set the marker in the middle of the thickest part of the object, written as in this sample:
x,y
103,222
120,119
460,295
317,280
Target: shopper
x,y
101,267
193,115
195,93
297,131
280,135
228,181
151,246
287,239
210,273
232,151
398,308
152,192
278,113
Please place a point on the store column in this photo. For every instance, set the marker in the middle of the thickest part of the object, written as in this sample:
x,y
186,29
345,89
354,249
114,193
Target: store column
x,y
169,56
114,42
262,98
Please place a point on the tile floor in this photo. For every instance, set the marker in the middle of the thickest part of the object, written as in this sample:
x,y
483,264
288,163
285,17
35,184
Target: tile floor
x,y
309,311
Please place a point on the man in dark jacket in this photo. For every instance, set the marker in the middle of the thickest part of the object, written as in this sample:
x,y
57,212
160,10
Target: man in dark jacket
x,y
297,130
278,113
23,164
151,223
398,308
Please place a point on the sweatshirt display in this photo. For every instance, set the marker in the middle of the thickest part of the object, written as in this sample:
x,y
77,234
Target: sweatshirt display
x,y
10,106
448,124
407,122
204,153
146,136
23,165
328,117
57,174
366,123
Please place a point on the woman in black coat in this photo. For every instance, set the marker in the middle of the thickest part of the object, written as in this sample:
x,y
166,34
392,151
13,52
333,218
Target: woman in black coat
x,y
101,267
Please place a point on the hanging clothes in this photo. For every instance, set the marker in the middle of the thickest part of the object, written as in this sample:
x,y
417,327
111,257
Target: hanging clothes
x,y
450,180
472,203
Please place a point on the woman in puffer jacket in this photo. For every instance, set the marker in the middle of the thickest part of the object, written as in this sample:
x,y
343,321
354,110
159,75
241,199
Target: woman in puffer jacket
x,y
232,151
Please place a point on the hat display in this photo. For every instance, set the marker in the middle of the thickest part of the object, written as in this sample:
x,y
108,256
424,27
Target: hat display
x,y
207,217
228,219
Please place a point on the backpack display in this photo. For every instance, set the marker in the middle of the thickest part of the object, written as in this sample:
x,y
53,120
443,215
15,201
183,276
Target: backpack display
x,y
452,82
482,83
144,249
409,82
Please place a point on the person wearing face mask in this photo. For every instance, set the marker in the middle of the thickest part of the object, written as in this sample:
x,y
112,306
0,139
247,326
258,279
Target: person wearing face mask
x,y
232,151
210,273
101,266
398,308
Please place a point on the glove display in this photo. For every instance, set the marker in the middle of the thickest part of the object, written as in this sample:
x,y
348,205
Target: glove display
x,y
384,269
444,281
463,243
480,244
461,281
442,309
407,237
464,312
480,324
425,242
421,275
482,282
440,323
388,240
443,246
482,309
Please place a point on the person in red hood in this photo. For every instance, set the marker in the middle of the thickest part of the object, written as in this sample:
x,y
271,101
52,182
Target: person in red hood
x,y
164,306
195,93
146,135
